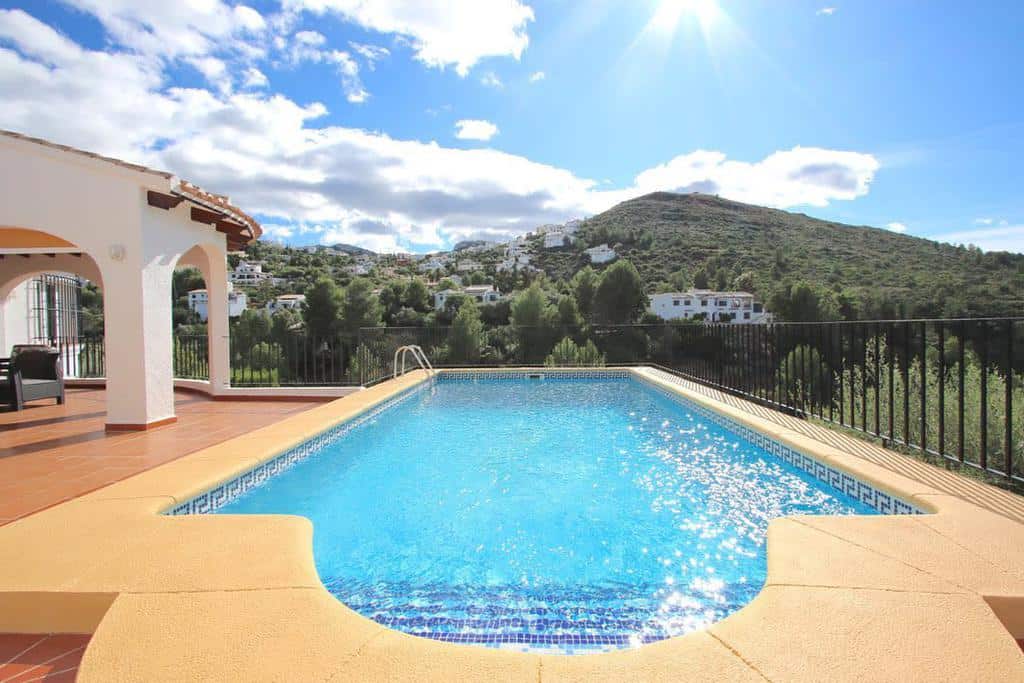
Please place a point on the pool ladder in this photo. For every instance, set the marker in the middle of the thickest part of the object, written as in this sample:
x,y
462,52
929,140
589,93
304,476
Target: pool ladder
x,y
417,354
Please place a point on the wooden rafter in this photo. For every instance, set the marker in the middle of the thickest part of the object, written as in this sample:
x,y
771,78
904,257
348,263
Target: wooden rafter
x,y
163,201
200,215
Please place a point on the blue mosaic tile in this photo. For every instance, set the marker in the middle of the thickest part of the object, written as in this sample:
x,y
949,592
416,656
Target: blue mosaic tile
x,y
540,373
224,493
884,503
228,491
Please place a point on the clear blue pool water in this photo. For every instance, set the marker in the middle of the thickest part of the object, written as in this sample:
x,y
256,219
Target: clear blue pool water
x,y
563,514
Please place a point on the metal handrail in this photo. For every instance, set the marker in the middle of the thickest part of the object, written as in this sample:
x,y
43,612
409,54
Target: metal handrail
x,y
418,355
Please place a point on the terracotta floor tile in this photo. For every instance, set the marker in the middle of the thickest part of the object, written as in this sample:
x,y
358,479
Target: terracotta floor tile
x,y
49,453
12,644
34,657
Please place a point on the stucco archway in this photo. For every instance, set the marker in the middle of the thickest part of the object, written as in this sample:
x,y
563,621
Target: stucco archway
x,y
212,263
34,314
135,224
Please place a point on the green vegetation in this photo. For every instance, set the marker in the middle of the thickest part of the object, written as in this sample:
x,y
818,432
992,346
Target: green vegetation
x,y
855,272
569,354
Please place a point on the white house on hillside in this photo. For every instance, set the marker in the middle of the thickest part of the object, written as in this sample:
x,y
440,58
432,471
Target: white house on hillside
x,y
469,266
358,269
602,253
711,306
556,239
249,274
431,264
199,301
291,302
517,262
484,294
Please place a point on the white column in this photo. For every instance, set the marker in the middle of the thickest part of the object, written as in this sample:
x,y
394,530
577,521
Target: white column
x,y
217,339
137,336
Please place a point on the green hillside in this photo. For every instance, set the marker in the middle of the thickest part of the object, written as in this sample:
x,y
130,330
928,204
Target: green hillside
x,y
865,272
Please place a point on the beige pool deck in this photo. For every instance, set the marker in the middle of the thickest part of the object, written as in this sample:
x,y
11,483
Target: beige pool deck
x,y
237,598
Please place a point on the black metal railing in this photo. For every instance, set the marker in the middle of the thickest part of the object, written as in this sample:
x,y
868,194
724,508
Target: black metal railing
x,y
191,357
299,359
950,388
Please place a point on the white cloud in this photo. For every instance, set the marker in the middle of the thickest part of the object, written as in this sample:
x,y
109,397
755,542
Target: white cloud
x,y
826,11
537,76
475,129
314,38
214,70
896,227
254,78
350,81
799,176
984,221
169,29
310,46
277,233
277,158
443,33
491,80
1003,238
371,53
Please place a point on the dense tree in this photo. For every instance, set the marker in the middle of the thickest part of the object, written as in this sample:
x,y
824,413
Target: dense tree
x,y
680,280
322,311
620,296
496,314
392,298
567,353
466,334
408,317
416,296
533,318
91,303
283,324
568,315
359,307
584,284
252,327
803,302
700,278
745,282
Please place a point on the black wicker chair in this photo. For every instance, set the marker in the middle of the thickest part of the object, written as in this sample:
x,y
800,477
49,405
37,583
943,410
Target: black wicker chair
x,y
33,372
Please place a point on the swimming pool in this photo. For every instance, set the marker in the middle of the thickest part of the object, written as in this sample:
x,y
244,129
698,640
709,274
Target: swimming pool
x,y
575,512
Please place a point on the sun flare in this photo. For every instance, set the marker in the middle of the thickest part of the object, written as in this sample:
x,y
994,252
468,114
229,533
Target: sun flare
x,y
669,13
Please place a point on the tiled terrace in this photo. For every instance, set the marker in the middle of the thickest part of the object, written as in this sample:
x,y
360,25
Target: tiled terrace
x,y
50,453
215,597
41,657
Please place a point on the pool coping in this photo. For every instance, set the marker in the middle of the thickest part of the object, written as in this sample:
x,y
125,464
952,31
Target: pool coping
x,y
234,597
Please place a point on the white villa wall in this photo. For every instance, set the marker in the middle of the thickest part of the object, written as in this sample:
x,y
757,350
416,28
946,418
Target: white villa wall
x,y
14,314
686,305
102,208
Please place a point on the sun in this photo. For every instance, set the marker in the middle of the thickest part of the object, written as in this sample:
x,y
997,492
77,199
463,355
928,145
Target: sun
x,y
670,13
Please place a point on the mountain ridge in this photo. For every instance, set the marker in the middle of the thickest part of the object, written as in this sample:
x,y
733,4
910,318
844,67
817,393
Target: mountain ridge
x,y
872,269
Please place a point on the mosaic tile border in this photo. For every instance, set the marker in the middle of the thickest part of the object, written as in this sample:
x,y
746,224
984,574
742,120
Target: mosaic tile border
x,y
558,643
455,375
871,496
223,494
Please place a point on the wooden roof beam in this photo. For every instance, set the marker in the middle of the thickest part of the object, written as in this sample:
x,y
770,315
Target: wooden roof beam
x,y
200,215
163,201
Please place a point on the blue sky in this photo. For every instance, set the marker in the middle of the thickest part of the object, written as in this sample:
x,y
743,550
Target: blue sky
x,y
411,124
